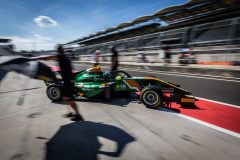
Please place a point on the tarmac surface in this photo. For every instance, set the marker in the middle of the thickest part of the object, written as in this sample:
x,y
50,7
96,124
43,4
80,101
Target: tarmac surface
x,y
32,127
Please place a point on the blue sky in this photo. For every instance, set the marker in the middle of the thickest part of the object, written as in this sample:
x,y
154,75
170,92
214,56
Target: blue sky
x,y
40,24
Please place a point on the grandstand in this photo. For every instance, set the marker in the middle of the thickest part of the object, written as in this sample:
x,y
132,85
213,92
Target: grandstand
x,y
211,28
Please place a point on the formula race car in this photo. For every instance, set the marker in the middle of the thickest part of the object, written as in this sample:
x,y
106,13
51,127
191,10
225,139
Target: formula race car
x,y
92,83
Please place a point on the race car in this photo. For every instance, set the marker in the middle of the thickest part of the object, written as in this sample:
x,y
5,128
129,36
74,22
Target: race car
x,y
93,83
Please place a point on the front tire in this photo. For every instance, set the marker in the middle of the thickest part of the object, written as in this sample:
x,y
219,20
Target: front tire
x,y
54,93
151,97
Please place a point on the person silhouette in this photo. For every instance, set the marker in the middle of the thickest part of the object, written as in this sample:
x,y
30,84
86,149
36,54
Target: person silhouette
x,y
68,81
79,141
114,58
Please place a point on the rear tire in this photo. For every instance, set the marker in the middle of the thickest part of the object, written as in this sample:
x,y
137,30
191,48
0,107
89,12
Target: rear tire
x,y
54,92
151,97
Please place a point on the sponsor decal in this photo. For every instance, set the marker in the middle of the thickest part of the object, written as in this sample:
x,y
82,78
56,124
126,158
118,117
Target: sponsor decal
x,y
98,79
167,90
87,79
188,100
93,79
121,86
87,89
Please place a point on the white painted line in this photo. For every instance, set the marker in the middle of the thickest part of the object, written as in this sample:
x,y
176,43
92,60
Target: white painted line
x,y
186,75
235,134
227,104
192,74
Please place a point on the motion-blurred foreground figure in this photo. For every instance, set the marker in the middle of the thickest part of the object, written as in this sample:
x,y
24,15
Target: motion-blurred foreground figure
x,y
38,70
114,59
26,66
68,81
96,55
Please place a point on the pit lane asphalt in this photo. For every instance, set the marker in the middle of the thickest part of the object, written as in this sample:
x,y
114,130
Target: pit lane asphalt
x,y
213,89
32,127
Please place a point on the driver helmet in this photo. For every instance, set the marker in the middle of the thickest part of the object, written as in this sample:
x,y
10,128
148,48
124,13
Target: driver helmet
x,y
118,78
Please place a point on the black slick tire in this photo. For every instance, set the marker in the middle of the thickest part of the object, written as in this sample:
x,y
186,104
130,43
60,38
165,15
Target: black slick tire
x,y
54,92
151,97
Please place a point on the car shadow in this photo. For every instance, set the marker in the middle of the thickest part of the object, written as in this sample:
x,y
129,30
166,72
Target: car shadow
x,y
61,102
121,102
79,140
176,110
116,100
192,106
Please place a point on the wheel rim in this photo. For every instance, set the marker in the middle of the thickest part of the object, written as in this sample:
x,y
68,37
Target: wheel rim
x,y
54,93
151,98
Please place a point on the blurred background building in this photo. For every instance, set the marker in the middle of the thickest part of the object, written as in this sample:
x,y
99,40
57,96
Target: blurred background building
x,y
6,47
208,30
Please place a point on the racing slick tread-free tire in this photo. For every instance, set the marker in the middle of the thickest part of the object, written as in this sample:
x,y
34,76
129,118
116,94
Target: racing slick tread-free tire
x,y
54,92
151,97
